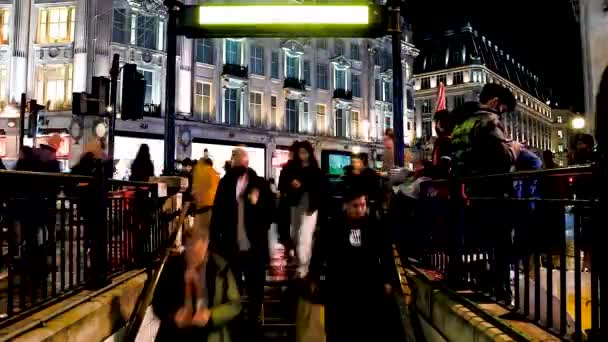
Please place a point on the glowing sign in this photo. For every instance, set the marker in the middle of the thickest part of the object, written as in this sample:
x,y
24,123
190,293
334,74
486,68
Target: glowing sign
x,y
283,15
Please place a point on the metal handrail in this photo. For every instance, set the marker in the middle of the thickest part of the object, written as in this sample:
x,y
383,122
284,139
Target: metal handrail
x,y
145,297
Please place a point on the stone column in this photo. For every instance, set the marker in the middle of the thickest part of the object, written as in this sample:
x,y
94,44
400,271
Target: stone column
x,y
19,49
81,43
184,77
101,37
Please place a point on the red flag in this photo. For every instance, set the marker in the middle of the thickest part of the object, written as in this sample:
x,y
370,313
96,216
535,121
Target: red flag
x,y
440,104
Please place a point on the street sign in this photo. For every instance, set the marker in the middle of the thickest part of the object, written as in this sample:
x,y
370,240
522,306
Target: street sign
x,y
222,21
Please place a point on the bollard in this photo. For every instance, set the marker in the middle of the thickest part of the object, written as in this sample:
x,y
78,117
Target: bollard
x,y
98,230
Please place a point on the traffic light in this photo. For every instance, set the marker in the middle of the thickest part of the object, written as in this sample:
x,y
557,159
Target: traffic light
x,y
33,119
100,96
133,93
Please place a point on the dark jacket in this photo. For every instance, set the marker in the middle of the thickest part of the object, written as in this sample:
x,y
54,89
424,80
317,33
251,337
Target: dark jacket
x,y
141,170
45,159
258,216
368,181
88,165
223,295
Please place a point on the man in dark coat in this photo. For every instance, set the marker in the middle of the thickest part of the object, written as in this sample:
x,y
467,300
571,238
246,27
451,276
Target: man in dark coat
x,y
242,214
358,261
358,175
205,313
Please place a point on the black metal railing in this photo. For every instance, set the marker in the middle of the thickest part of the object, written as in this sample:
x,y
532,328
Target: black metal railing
x,y
294,83
525,239
343,94
241,71
61,233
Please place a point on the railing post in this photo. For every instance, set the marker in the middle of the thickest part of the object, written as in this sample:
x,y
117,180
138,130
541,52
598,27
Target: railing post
x,y
98,230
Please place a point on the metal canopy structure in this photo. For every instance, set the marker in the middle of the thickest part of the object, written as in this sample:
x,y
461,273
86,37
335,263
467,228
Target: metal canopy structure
x,y
271,21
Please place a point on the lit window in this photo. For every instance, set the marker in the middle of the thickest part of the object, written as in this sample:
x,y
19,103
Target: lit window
x,y
340,120
322,76
233,52
4,18
388,120
257,60
56,25
54,85
560,148
560,134
232,106
274,65
149,78
204,51
354,124
559,119
255,109
354,51
320,119
340,78
3,84
356,86
202,100
427,129
305,125
292,66
291,116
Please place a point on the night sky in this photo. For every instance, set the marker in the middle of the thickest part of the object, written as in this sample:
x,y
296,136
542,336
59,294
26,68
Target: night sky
x,y
542,34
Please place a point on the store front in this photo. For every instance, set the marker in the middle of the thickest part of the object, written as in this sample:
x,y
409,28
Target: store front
x,y
280,156
125,150
220,152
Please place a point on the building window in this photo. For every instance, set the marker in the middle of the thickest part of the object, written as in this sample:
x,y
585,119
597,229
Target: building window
x,y
273,112
307,73
257,60
458,100
56,25
305,125
204,51
149,78
427,129
559,120
292,66
340,131
274,65
232,108
4,18
233,52
322,76
291,116
357,85
560,134
255,109
320,119
54,85
477,76
388,120
339,47
340,78
441,79
120,27
322,44
202,100
354,51
147,29
426,106
354,124
458,78
560,148
378,89
3,86
410,99
388,91
378,58
425,83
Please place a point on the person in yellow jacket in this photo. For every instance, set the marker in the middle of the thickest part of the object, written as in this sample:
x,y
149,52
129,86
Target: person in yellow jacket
x,y
204,185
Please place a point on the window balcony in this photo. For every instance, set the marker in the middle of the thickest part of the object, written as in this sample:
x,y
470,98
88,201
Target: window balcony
x,y
235,70
343,94
295,84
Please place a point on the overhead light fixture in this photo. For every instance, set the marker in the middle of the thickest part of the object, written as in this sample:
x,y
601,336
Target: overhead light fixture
x,y
283,15
578,122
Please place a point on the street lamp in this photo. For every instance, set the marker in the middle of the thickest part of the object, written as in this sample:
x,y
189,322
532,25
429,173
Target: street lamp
x,y
578,122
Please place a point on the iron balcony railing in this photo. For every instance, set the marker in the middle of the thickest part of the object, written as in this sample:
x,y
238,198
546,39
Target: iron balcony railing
x,y
241,71
529,240
61,233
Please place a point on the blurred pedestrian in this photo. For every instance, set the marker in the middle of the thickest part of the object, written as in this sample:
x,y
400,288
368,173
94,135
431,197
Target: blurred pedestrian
x,y
548,162
142,168
27,160
583,149
242,214
45,155
357,173
388,159
205,181
197,295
